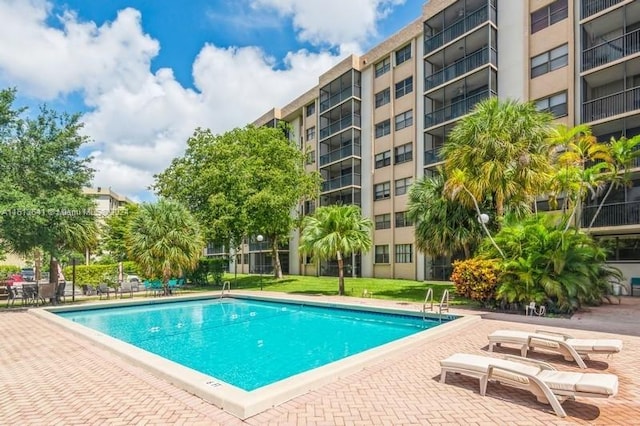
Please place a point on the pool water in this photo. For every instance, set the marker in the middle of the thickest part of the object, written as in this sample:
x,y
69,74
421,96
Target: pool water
x,y
249,343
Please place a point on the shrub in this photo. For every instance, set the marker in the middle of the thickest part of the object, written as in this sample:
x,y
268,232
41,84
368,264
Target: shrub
x,y
209,268
476,279
6,270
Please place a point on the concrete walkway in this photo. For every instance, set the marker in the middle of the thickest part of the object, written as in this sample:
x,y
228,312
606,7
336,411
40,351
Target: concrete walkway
x,y
50,376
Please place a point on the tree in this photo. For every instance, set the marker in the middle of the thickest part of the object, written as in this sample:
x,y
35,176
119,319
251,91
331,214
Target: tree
x,y
41,183
114,232
244,182
502,153
334,232
442,226
165,240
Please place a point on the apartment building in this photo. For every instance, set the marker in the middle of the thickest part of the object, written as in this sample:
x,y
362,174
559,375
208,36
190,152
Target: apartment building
x,y
375,123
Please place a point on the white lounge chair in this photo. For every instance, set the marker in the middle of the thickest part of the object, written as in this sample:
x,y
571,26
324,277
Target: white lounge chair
x,y
549,385
572,349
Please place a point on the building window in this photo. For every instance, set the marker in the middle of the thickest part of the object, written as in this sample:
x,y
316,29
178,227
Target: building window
x,y
383,159
404,87
311,109
403,55
402,220
556,104
383,221
403,153
383,97
404,119
383,67
402,185
549,15
404,253
382,254
311,133
383,128
311,157
549,61
382,191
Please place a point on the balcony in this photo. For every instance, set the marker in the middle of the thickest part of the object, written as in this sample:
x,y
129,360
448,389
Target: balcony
x,y
461,26
611,105
338,126
618,214
432,156
339,97
455,109
611,50
339,182
338,154
460,67
591,7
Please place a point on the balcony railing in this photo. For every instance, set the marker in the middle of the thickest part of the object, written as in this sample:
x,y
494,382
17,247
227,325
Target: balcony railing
x,y
612,105
455,109
458,28
349,120
460,67
335,155
611,50
432,156
339,182
617,214
339,97
591,7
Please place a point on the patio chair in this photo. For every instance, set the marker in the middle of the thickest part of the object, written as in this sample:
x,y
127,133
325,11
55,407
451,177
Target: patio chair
x,y
104,289
572,349
173,285
13,294
549,385
126,287
60,292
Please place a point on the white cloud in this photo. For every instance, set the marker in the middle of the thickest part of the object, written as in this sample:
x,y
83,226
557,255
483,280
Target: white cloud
x,y
139,120
336,22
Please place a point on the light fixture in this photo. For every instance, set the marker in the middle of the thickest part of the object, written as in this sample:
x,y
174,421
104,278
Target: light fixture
x,y
483,218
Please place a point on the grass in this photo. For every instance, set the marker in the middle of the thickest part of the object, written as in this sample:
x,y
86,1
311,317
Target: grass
x,y
381,288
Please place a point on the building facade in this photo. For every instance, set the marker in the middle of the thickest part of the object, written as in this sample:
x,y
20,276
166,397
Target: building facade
x,y
375,123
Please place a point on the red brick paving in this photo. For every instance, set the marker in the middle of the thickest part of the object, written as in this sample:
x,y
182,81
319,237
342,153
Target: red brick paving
x,y
49,376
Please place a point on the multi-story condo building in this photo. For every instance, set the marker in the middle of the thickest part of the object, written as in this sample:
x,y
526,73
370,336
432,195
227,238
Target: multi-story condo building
x,y
375,123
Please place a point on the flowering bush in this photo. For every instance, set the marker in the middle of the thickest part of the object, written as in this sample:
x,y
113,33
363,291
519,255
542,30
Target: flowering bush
x,y
476,279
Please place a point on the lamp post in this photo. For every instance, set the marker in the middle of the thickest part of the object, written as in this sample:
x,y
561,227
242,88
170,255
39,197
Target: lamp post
x,y
260,238
483,218
73,279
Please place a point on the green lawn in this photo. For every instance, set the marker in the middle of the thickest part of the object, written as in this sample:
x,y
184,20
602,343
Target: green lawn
x,y
393,289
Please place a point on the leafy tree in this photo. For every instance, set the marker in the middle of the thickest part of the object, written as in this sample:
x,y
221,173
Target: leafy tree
x,y
442,226
114,232
243,182
334,232
165,240
501,153
41,182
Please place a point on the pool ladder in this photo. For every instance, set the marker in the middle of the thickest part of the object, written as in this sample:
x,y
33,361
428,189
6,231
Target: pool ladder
x,y
442,307
225,285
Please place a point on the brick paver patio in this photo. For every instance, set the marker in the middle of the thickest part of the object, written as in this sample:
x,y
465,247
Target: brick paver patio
x,y
49,376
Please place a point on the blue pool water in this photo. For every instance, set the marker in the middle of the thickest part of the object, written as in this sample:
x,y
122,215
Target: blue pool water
x,y
248,343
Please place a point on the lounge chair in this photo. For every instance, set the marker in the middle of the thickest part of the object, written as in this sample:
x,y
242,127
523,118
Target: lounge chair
x,y
572,349
549,385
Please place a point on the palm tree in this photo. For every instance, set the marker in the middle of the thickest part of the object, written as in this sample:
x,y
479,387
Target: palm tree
x,y
165,240
334,232
502,150
442,226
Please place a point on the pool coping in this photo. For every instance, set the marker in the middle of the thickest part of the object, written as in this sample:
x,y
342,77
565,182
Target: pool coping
x,y
244,404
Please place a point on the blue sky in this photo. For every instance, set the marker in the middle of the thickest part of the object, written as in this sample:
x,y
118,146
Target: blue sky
x,y
146,73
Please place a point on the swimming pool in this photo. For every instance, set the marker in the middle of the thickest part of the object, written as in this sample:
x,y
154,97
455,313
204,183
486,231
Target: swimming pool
x,y
249,343
232,398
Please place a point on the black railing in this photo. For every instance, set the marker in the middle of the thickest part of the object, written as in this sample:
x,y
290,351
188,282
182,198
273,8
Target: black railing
x,y
338,154
611,50
617,214
432,156
343,123
460,67
611,105
591,7
458,28
339,97
339,182
455,109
